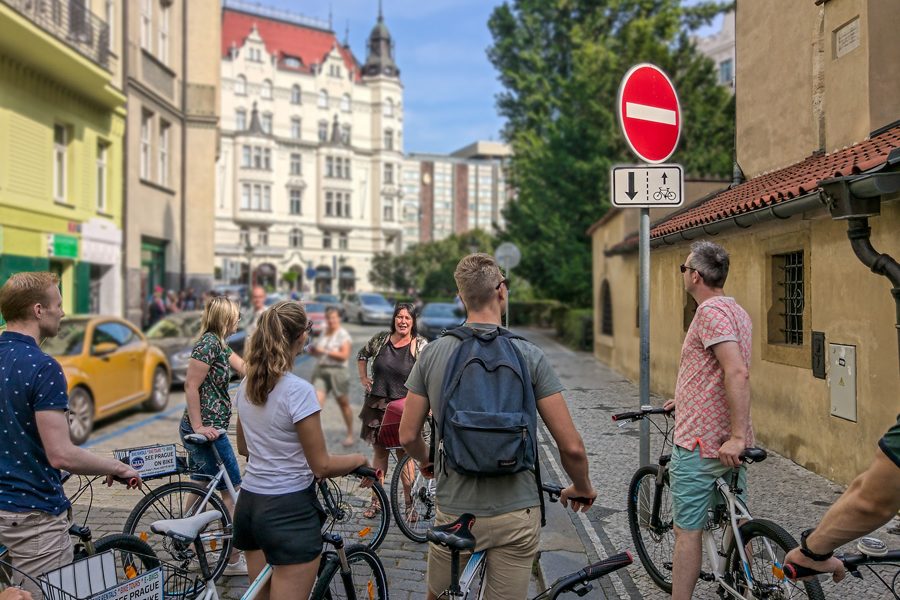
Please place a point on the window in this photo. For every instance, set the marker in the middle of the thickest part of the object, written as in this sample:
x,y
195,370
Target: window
x,y
296,201
296,164
389,108
102,152
347,204
292,62
388,209
164,153
256,200
146,124
339,168
295,128
266,91
343,240
240,119
334,70
244,237
60,159
295,94
146,25
262,238
266,122
606,316
110,15
267,198
329,166
389,173
726,71
388,139
345,103
788,302
267,159
257,157
329,204
323,131
345,134
323,99
326,239
347,168
245,196
295,238
163,50
240,85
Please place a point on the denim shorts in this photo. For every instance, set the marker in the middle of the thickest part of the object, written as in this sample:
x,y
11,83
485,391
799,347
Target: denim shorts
x,y
203,461
693,486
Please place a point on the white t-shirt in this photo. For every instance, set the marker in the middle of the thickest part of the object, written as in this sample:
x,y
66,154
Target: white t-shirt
x,y
332,343
277,462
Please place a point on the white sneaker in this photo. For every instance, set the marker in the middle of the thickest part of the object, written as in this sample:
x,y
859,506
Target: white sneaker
x,y
238,567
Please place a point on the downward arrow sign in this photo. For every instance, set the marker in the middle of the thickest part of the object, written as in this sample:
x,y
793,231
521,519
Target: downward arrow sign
x,y
630,191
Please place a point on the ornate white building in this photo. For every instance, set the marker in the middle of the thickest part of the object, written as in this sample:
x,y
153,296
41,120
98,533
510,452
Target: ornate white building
x,y
308,175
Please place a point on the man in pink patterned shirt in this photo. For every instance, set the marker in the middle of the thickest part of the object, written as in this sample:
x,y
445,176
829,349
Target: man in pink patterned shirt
x,y
712,402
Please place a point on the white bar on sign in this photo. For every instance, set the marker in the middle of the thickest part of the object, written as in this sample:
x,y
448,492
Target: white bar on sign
x,y
649,113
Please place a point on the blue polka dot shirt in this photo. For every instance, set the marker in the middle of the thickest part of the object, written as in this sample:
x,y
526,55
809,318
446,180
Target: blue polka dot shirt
x,y
30,380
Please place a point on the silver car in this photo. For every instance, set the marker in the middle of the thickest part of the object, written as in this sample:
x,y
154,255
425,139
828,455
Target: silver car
x,y
368,308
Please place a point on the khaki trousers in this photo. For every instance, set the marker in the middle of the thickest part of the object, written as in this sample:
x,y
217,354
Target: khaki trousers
x,y
37,542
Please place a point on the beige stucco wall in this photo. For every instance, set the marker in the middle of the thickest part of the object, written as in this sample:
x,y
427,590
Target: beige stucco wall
x,y
884,65
790,408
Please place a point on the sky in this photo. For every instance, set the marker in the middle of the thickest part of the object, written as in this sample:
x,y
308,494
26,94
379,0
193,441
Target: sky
x,y
450,86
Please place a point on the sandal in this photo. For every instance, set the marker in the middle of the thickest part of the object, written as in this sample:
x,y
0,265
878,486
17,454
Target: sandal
x,y
411,515
373,510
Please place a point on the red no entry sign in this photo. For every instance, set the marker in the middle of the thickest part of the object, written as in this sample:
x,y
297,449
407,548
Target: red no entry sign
x,y
649,113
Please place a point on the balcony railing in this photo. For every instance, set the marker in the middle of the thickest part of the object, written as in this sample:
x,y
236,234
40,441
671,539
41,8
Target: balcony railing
x,y
71,22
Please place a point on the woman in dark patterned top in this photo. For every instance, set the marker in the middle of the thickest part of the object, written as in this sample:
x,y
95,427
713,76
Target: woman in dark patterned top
x,y
384,364
209,405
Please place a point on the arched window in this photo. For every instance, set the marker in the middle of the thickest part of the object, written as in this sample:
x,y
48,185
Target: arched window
x,y
240,85
323,99
389,108
295,94
345,103
266,91
606,316
295,238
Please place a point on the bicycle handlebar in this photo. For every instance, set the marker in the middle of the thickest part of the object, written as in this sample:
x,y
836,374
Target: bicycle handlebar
x,y
640,414
369,472
608,565
554,491
852,562
197,438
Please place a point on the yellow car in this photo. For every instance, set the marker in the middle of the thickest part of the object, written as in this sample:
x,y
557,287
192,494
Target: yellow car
x,y
109,367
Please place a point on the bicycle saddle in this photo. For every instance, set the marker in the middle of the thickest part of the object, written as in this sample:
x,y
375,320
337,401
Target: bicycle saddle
x,y
754,455
456,535
187,529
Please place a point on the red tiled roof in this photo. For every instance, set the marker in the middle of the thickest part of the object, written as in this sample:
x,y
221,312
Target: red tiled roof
x,y
779,186
309,44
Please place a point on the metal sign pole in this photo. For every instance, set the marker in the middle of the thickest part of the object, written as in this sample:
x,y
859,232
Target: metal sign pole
x,y
645,332
508,303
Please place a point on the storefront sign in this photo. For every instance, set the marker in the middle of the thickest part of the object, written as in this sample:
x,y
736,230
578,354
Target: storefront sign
x,y
62,246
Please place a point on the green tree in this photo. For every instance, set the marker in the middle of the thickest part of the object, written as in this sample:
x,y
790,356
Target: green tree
x,y
561,63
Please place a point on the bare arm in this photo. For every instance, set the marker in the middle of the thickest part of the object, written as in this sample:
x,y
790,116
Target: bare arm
x,y
343,353
415,411
196,372
363,376
241,440
555,414
237,363
323,464
53,427
737,393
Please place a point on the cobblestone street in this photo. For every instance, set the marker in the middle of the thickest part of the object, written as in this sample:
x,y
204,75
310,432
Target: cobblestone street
x,y
779,489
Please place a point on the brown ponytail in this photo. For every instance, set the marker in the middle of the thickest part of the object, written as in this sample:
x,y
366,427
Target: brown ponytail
x,y
273,348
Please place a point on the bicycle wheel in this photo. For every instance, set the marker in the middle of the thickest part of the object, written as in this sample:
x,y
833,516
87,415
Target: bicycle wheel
x,y
655,545
415,517
766,543
133,557
345,501
366,578
176,500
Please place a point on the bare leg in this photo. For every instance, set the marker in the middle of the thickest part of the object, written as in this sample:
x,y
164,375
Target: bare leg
x,y
686,566
320,396
344,402
256,562
229,504
290,582
379,461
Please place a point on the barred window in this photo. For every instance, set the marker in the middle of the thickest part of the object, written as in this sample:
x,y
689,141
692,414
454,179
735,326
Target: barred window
x,y
788,292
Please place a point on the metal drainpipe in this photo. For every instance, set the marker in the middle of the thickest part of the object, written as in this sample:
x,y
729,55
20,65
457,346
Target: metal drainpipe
x,y
126,74
882,264
184,148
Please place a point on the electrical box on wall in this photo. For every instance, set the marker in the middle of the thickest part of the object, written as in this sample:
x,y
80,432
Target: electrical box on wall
x,y
842,380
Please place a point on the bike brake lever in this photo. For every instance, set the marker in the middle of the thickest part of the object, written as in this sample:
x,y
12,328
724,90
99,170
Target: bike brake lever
x,y
622,424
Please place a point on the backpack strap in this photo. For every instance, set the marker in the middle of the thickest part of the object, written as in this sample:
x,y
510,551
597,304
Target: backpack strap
x,y
461,333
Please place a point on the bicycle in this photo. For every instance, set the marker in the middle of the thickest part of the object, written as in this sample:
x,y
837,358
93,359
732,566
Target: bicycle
x,y
457,536
416,516
749,556
343,498
346,572
872,553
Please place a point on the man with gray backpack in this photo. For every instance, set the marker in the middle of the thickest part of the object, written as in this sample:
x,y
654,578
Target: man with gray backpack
x,y
485,388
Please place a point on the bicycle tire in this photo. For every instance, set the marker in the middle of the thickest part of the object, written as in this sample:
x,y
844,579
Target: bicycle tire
x,y
167,502
367,573
422,492
759,529
346,517
129,547
655,548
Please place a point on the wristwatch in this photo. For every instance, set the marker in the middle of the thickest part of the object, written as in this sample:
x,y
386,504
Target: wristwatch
x,y
809,553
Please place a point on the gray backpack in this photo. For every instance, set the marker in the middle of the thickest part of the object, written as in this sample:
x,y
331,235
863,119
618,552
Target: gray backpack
x,y
489,417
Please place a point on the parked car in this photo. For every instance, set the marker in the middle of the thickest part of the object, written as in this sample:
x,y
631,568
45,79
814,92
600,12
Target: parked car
x,y
330,300
110,367
438,316
315,312
368,308
176,334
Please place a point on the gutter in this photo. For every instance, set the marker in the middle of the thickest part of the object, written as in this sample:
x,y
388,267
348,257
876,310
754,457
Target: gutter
x,y
184,132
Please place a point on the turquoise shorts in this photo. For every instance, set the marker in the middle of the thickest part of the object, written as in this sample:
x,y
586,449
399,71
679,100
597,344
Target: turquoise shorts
x,y
692,480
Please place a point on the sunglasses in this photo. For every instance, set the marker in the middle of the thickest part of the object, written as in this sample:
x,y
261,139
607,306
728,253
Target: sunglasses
x,y
308,329
684,268
505,282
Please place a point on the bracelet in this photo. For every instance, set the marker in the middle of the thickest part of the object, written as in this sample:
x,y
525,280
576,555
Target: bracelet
x,y
809,553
